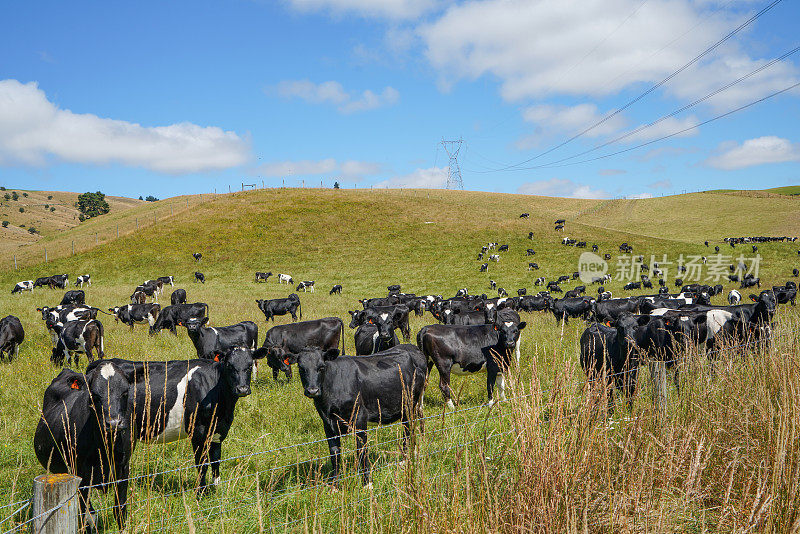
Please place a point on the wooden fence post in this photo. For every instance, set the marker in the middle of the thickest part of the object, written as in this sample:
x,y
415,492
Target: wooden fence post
x,y
137,223
15,262
45,254
117,231
73,247
55,504
95,238
658,370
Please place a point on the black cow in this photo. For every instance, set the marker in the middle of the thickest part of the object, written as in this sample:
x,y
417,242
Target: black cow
x,y
273,307
502,248
531,303
285,341
532,266
633,285
131,314
171,316
368,340
391,300
178,297
55,318
469,350
522,291
262,277
612,309
337,290
75,337
394,288
750,282
11,336
530,252
199,277
387,318
565,308
85,430
524,215
350,393
213,342
188,399
74,297
795,272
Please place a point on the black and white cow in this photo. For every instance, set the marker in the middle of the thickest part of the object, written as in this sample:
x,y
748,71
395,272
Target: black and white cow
x,y
386,318
273,307
530,252
192,399
287,340
734,297
336,290
148,289
532,266
76,337
54,318
494,257
178,297
83,279
199,277
306,286
285,279
484,268
11,336
197,256
350,393
213,342
470,350
171,316
85,430
502,248
25,285
74,297
164,280
131,314
262,277
368,340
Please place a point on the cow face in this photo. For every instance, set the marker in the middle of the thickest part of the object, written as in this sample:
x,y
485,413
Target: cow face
x,y
357,318
109,388
509,332
237,368
194,324
279,359
629,333
311,363
384,321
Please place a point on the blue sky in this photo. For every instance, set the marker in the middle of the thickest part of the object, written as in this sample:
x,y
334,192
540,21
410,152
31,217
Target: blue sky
x,y
177,97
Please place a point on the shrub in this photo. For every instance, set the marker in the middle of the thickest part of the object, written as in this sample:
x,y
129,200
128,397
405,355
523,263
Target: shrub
x,y
81,218
49,197
32,230
25,195
2,188
7,196
5,224
22,210
52,208
14,196
92,204
150,198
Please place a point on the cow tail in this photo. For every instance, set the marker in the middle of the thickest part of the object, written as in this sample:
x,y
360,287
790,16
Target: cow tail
x,y
208,313
342,336
300,309
102,335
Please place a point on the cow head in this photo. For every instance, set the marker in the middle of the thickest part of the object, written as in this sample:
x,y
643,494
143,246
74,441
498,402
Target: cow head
x,y
109,387
312,365
115,313
508,332
356,318
383,320
194,324
630,331
279,359
237,368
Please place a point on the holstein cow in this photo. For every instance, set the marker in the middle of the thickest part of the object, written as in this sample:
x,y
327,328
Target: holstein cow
x,y
178,297
350,393
368,340
306,286
55,318
213,342
132,314
83,279
734,297
197,256
11,336
85,430
171,316
336,290
192,399
273,307
199,277
287,340
262,277
164,280
469,350
285,279
75,337
74,297
386,318
27,285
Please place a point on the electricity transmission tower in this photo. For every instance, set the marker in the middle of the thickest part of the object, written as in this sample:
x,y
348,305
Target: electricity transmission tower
x,y
453,170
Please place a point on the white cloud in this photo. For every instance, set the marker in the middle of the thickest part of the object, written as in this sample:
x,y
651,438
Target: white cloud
x,y
431,178
550,119
561,187
666,127
640,196
34,130
350,169
332,92
392,9
548,47
661,184
758,151
611,172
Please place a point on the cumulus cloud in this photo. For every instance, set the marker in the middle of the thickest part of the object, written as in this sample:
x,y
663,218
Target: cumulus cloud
x,y
350,169
551,119
332,92
661,184
561,187
34,131
640,196
611,172
430,178
668,126
392,9
758,151
547,47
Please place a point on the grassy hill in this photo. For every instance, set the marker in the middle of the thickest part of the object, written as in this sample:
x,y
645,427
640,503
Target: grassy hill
x,y
427,241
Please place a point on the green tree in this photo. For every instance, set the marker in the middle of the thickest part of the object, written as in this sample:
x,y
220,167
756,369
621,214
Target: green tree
x,y
49,197
92,204
150,198
7,196
32,230
5,224
52,208
22,210
14,196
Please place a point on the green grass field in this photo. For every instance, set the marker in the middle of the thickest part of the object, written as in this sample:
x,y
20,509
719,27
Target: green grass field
x,y
475,470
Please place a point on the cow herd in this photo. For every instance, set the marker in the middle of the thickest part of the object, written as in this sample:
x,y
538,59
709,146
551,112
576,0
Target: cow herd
x,y
92,421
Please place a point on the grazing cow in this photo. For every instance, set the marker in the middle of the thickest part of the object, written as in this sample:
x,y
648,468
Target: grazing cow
x,y
214,342
706,243
368,340
178,297
532,266
733,278
581,244
750,282
148,289
539,281
716,249
530,235
492,284
74,297
531,303
83,279
679,282
262,277
595,248
272,307
795,273
84,430
561,221
484,268
501,292
574,307
197,256
480,256
306,286
132,314
522,291
494,257
285,341
138,297
647,283
606,256
171,316
734,297
554,287
75,337
530,252
633,285
337,289
469,350
605,295
199,277
11,336
391,300
783,295
164,280
349,393
27,285
193,399
503,248
572,293
394,288
55,318
563,278
285,279
524,215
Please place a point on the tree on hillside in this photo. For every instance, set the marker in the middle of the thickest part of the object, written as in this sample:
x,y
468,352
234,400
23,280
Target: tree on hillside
x,y
150,198
92,204
336,185
5,224
14,196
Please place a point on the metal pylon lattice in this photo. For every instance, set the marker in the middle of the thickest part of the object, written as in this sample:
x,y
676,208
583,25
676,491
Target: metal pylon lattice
x,y
453,169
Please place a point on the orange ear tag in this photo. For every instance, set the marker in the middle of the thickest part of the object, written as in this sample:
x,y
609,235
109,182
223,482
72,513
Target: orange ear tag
x,y
286,361
75,384
216,357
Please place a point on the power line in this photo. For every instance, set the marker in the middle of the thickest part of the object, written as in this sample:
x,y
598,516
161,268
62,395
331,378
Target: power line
x,y
652,88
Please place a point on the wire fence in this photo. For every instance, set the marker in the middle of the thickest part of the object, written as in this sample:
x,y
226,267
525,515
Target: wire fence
x,y
288,483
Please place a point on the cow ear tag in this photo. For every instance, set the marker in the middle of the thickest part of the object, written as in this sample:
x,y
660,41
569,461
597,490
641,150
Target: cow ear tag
x,y
495,327
75,384
286,361
608,323
216,357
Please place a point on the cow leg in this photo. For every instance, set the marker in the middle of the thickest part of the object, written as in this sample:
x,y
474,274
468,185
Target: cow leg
x,y
444,386
334,447
200,459
86,511
121,502
215,455
275,374
361,452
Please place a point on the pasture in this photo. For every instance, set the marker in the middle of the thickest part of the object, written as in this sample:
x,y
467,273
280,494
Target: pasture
x,y
549,459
